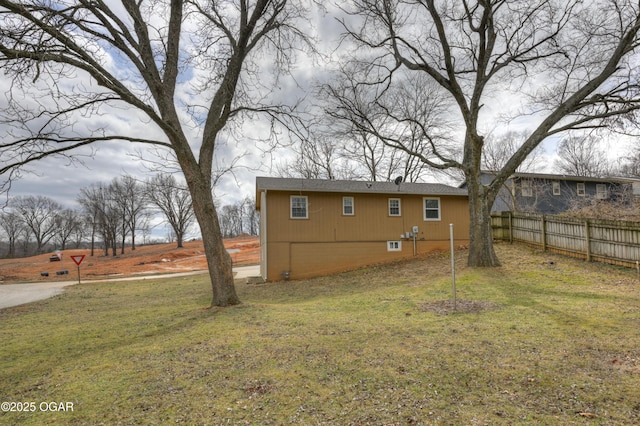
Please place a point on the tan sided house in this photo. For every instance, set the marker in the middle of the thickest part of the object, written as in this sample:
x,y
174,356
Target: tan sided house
x,y
314,227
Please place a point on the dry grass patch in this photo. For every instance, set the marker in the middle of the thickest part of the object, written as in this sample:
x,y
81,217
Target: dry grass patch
x,y
446,307
543,344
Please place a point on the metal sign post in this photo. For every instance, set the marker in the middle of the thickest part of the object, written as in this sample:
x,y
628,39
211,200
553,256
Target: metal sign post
x,y
78,260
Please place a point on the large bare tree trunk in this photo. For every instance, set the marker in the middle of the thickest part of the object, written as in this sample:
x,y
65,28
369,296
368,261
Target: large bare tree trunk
x,y
481,252
218,259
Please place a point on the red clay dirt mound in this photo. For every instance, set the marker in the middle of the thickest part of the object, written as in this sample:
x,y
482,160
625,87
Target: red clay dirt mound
x,y
144,260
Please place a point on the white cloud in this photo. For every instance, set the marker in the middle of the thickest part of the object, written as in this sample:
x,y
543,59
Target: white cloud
x,y
55,178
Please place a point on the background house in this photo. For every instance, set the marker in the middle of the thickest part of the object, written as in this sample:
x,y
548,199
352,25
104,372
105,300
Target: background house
x,y
553,194
315,227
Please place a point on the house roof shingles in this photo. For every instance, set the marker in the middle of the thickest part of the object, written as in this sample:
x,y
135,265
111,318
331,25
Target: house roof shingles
x,y
547,176
355,187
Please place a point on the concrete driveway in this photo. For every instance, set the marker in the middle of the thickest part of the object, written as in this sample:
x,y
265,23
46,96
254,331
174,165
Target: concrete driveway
x,y
19,294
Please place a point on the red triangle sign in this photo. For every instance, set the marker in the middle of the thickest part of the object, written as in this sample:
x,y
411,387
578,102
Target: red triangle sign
x,y
77,259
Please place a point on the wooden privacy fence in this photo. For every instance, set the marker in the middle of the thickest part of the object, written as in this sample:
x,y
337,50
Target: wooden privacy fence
x,y
608,241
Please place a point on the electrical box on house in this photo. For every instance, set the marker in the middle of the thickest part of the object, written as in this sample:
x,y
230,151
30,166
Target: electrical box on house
x,y
415,230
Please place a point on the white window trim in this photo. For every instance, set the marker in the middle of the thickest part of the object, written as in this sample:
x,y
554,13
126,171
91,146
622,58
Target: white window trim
x,y
394,245
399,207
424,209
602,192
581,189
526,187
306,207
555,186
353,208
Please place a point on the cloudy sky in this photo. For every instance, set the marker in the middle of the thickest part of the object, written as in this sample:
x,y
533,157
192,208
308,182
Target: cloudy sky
x,y
62,180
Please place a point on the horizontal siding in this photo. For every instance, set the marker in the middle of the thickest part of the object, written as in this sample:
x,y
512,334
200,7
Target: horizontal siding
x,y
370,221
312,259
330,242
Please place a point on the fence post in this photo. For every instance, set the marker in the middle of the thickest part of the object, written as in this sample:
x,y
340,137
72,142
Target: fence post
x,y
618,243
543,230
587,240
510,228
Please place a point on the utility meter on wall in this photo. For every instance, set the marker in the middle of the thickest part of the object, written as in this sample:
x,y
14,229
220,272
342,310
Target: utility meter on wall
x,y
415,230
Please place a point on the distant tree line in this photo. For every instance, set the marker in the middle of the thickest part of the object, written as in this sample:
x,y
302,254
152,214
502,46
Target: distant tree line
x,y
111,216
359,157
239,218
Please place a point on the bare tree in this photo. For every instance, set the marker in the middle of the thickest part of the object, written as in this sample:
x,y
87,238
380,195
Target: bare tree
x,y
565,64
102,206
39,215
252,216
174,202
317,157
372,159
89,199
79,233
582,156
500,147
139,57
110,218
331,154
67,222
12,225
239,218
131,196
231,218
375,135
631,164
620,204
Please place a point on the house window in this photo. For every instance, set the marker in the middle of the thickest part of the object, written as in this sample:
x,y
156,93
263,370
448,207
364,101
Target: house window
x,y
431,208
394,206
394,245
556,188
299,207
526,187
347,206
580,189
601,191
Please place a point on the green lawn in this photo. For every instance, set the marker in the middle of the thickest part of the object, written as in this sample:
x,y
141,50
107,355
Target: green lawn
x,y
541,340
